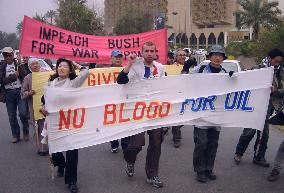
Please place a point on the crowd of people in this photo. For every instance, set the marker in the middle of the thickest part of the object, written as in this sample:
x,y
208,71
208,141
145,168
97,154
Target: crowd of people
x,y
17,93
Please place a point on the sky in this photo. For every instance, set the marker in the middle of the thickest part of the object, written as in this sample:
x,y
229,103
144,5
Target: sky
x,y
13,11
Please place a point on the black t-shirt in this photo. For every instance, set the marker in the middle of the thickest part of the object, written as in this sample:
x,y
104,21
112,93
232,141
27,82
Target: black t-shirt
x,y
215,70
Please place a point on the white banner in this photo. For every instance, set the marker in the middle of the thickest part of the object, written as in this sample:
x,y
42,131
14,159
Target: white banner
x,y
84,117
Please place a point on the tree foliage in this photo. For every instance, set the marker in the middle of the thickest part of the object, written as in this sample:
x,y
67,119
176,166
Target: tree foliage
x,y
74,15
50,16
10,40
267,41
259,13
133,21
38,17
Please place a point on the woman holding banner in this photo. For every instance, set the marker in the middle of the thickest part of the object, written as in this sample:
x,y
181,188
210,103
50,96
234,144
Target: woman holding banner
x,y
27,93
65,76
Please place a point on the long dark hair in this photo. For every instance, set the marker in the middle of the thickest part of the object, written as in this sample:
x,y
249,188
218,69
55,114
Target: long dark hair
x,y
72,74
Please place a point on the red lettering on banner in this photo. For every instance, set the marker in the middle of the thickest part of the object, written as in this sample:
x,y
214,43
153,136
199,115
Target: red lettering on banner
x,y
82,120
111,112
168,107
154,110
121,119
135,117
64,120
102,78
115,75
107,81
155,105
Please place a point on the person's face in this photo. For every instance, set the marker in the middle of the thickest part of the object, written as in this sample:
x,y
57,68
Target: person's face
x,y
117,60
217,58
276,61
170,60
35,67
63,70
149,53
180,57
8,57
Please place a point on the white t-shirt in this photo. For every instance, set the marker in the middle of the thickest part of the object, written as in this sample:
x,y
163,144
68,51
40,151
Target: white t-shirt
x,y
11,69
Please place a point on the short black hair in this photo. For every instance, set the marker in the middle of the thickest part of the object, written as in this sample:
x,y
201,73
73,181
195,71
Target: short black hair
x,y
275,52
72,74
171,55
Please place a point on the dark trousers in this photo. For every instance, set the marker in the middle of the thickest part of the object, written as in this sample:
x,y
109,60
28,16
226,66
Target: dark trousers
x,y
133,145
260,145
176,133
114,144
206,144
70,164
14,101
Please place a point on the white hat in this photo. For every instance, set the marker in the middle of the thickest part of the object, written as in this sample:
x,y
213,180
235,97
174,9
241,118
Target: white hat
x,y
7,50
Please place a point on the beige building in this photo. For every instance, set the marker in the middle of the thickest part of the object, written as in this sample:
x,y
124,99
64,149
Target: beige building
x,y
192,23
115,8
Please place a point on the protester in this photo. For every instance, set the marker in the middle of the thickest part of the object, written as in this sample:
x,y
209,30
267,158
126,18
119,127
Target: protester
x,y
180,57
190,62
206,137
11,77
116,61
274,58
24,62
27,93
171,58
136,70
278,161
65,76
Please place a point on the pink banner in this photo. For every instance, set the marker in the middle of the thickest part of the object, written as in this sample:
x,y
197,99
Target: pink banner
x,y
47,41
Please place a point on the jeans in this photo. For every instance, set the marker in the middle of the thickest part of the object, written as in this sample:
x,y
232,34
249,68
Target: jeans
x,y
278,161
260,145
14,101
206,144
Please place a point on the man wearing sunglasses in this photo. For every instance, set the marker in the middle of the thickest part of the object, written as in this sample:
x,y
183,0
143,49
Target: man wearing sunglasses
x,y
11,77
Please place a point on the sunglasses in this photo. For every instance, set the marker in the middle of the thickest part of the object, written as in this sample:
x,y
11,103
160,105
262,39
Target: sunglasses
x,y
7,55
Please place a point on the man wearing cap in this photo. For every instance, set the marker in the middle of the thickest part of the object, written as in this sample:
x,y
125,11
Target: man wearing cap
x,y
116,61
11,77
206,137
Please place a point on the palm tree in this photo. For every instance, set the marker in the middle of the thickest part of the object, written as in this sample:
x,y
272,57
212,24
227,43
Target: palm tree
x,y
19,28
40,18
259,13
51,15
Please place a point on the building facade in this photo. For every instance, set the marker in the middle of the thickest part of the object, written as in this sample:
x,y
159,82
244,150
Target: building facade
x,y
192,23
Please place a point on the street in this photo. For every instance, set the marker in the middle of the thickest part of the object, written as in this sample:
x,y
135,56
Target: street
x,y
100,171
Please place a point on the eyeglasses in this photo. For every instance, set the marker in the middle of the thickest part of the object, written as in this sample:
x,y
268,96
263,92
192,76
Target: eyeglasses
x,y
5,55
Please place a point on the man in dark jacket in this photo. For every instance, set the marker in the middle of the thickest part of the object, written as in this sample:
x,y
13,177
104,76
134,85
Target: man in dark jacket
x,y
274,58
11,77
